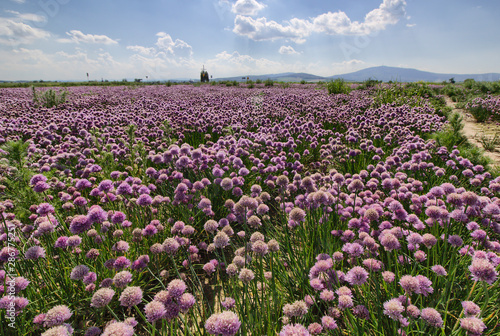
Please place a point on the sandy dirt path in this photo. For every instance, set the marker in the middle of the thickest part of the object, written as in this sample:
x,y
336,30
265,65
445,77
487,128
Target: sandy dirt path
x,y
474,130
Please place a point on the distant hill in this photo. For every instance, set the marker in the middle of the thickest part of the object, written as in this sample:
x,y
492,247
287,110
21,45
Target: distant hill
x,y
383,73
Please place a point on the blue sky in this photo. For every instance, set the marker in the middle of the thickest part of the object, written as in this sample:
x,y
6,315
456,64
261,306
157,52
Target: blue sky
x,y
164,39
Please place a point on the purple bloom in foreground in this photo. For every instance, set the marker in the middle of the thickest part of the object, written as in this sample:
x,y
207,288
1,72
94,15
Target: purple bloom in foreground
x,y
144,200
102,297
439,270
57,316
34,252
118,328
294,330
432,317
470,308
357,276
93,331
79,272
62,330
393,308
154,310
79,224
483,270
473,325
227,323
176,288
131,296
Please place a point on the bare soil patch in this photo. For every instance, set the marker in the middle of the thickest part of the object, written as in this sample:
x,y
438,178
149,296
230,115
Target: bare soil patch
x,y
474,131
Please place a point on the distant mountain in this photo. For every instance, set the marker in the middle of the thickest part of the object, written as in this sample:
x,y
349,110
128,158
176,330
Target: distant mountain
x,y
383,73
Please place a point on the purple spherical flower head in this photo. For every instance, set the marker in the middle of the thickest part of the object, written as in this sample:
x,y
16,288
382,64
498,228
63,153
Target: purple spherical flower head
x,y
118,217
176,288
470,308
131,296
294,330
34,253
297,215
246,275
221,240
424,285
210,324
122,279
118,328
432,317
315,328
439,270
83,184
79,224
96,214
89,278
144,200
296,309
154,310
79,272
186,301
228,303
328,322
121,263
61,330
37,178
357,276
473,325
93,331
455,240
102,297
393,308
345,301
57,316
170,245
39,319
44,209
483,270
409,283
41,187
227,323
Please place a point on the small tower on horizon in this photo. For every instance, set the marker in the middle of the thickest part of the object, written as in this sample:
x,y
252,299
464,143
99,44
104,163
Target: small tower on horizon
x,y
204,75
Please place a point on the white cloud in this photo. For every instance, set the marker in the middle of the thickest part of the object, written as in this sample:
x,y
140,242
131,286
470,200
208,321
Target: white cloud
x,y
169,58
76,36
410,25
27,16
19,1
388,13
14,32
247,7
225,64
143,50
261,29
34,64
177,48
287,50
337,23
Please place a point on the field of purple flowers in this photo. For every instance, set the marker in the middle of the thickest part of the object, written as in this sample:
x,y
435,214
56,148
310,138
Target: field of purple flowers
x,y
484,108
226,211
